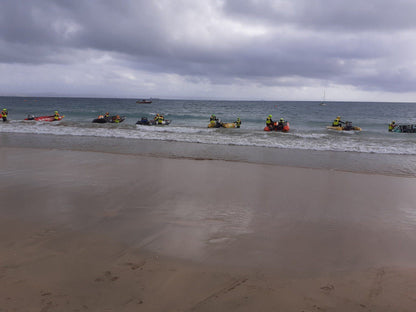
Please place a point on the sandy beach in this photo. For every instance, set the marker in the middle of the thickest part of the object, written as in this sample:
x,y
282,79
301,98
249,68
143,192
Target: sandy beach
x,y
94,231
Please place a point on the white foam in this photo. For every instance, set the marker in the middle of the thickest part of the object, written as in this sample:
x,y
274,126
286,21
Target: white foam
x,y
294,140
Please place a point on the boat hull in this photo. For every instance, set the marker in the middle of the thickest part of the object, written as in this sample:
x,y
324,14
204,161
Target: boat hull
x,y
276,127
405,129
222,125
228,125
108,120
45,118
152,123
354,128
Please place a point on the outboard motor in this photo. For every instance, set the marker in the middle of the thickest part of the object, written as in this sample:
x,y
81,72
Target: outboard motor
x,y
348,125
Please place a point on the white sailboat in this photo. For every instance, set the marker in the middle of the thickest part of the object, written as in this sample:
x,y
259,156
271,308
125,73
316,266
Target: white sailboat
x,y
323,100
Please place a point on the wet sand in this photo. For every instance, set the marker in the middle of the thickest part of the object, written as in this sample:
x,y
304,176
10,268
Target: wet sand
x,y
89,231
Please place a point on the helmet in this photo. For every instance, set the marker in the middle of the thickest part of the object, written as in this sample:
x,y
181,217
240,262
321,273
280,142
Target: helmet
x,y
270,116
281,119
107,113
393,122
56,112
5,109
338,117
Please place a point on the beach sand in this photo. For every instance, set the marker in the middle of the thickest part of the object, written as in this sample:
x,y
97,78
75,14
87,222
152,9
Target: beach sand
x,y
89,231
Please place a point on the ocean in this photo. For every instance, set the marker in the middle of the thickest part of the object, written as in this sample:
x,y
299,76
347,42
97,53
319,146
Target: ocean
x,y
307,144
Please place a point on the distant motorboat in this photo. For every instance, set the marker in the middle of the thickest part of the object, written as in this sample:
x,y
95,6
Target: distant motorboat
x,y
144,101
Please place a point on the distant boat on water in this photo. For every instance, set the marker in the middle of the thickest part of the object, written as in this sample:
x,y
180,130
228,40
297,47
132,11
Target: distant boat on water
x,y
144,101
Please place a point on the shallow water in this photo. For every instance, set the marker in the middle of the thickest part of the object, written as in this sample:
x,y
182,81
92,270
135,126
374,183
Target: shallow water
x,y
391,164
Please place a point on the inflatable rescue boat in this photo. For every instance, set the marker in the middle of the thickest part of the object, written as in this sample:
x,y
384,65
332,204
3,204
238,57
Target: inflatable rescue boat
x,y
111,119
278,127
144,121
346,127
45,118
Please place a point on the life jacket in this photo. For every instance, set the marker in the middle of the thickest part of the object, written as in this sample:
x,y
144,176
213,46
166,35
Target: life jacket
x,y
4,114
336,123
269,121
238,123
392,126
56,116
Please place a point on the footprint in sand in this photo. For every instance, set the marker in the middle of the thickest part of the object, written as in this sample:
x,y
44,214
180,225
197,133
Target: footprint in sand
x,y
135,266
107,277
377,286
219,240
327,288
46,301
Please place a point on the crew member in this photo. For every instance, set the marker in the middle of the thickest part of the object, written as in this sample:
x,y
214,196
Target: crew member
x,y
269,122
213,120
238,122
117,119
107,115
337,122
280,124
56,116
4,114
160,119
156,117
392,125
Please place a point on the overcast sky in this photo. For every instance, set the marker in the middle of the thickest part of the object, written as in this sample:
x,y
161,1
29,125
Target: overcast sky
x,y
210,49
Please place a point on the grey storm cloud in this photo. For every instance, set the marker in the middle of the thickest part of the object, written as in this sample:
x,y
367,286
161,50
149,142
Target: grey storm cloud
x,y
366,44
325,15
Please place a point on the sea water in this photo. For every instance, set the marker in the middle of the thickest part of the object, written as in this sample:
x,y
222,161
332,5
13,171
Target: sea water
x,y
308,143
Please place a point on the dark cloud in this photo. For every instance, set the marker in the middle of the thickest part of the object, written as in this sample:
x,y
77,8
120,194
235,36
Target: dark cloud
x,y
358,43
324,15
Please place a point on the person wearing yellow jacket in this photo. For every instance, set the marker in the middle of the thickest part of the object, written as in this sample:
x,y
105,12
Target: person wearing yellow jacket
x,y
392,125
4,114
56,116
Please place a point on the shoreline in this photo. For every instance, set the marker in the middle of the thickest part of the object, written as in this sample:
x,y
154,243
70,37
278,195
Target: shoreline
x,y
386,164
199,159
100,231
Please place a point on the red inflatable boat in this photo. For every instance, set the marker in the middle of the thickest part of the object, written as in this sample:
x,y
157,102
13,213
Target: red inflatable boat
x,y
277,127
45,118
